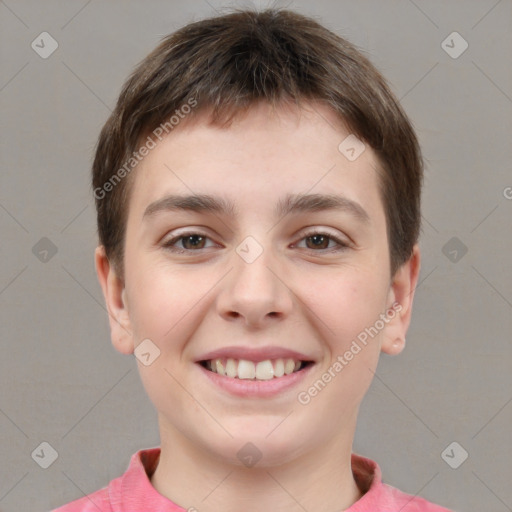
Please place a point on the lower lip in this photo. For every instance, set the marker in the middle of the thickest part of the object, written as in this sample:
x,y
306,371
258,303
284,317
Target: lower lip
x,y
257,388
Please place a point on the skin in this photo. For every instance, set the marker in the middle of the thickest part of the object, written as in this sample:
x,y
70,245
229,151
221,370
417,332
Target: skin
x,y
293,295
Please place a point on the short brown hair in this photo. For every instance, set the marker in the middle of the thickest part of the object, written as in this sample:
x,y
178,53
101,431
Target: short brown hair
x,y
229,62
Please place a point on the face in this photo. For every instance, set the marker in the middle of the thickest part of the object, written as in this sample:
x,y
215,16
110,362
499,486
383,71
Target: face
x,y
258,283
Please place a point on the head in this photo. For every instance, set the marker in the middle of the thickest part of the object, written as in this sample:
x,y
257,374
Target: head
x,y
252,109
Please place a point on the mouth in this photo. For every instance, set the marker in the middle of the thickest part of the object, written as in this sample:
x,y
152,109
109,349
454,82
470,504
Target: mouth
x,y
244,369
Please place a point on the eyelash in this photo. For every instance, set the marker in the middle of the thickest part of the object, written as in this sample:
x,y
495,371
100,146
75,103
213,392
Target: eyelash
x,y
342,245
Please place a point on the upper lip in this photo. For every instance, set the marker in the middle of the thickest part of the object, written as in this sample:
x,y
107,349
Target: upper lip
x,y
254,354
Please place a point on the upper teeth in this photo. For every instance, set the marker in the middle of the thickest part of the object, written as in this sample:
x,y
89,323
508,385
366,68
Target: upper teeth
x,y
244,369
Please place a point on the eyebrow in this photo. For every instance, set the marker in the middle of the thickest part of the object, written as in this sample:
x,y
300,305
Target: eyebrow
x,y
292,203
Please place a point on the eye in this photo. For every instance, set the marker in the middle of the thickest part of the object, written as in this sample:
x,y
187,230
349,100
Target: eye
x,y
319,241
189,241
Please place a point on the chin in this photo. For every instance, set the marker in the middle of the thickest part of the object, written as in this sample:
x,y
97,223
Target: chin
x,y
254,447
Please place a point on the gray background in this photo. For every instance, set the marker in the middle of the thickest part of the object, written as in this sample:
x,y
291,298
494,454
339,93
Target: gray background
x,y
63,383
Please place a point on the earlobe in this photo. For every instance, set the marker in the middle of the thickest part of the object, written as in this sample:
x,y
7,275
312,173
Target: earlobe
x,y
114,294
395,347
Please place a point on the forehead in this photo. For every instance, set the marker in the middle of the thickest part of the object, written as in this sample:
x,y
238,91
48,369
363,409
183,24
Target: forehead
x,y
266,158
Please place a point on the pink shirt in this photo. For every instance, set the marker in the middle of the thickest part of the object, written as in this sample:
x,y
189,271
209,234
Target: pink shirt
x,y
133,492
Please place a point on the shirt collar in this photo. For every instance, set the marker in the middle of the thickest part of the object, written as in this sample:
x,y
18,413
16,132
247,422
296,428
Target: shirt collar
x,y
136,492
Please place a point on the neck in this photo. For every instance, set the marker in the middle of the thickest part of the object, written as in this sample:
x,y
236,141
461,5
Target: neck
x,y
195,480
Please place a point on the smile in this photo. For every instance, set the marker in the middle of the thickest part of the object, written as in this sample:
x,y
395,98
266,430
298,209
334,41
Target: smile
x,y
250,370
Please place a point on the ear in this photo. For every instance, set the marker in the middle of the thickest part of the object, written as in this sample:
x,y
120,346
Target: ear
x,y
115,298
399,306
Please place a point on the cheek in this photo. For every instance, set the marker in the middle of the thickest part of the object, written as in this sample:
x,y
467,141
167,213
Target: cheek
x,y
161,301
344,304
165,309
345,308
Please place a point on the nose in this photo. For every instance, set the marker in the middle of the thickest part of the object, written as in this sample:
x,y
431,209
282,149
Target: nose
x,y
255,292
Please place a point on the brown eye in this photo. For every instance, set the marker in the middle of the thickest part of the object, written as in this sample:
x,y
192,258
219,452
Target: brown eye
x,y
195,241
319,241
188,241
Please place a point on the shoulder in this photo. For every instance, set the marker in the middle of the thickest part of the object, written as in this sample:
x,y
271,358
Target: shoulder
x,y
383,497
96,502
393,497
119,494
106,499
